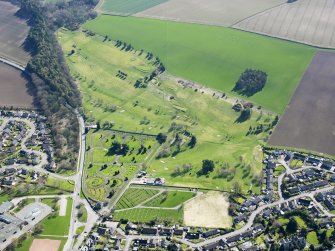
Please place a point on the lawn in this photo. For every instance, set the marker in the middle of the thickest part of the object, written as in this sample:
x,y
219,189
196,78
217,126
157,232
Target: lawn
x,y
60,184
312,238
147,214
134,196
128,7
214,56
161,107
58,225
170,199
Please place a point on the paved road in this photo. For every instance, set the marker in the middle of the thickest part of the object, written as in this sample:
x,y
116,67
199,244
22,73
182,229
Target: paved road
x,y
92,217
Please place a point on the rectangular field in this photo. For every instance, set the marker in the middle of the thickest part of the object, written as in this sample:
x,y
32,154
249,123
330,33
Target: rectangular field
x,y
307,21
128,7
213,12
214,56
170,199
133,197
309,121
14,88
145,215
13,34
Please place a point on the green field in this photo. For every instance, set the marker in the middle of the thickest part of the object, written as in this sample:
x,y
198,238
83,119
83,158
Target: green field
x,y
58,225
148,214
214,56
133,197
128,7
95,64
170,199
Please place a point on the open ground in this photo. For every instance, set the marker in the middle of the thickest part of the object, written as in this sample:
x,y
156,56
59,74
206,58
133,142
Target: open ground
x,y
309,122
214,56
212,12
13,34
307,21
208,210
14,88
158,107
45,245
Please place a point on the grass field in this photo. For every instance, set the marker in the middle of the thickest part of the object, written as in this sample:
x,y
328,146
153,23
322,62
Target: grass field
x,y
58,225
312,238
128,7
214,56
170,199
148,214
133,197
220,137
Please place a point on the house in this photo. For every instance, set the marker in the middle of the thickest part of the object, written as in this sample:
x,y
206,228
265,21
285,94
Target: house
x,y
178,231
6,206
117,244
329,204
210,233
102,230
192,235
313,161
327,164
327,224
214,246
299,156
321,183
304,202
151,231
239,218
293,190
332,177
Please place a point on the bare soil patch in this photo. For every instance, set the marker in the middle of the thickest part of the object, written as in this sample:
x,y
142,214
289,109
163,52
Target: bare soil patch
x,y
14,88
45,245
14,31
307,21
208,210
309,121
212,12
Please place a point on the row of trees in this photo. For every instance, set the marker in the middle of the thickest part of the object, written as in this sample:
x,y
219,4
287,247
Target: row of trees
x,y
49,73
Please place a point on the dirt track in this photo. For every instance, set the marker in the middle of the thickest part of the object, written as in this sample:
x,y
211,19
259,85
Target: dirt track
x,y
14,88
309,121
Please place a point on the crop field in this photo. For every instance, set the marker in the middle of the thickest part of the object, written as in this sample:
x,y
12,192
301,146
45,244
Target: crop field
x,y
170,199
133,197
13,34
307,21
214,56
157,108
308,122
127,7
14,88
146,215
212,12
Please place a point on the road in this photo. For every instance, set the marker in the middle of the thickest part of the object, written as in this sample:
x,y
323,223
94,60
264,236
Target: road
x,y
92,217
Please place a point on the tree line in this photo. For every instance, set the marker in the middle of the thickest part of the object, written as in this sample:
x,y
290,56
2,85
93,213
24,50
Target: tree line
x,y
55,90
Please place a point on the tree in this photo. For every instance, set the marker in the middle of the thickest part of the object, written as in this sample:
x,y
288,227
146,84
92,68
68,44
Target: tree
x,y
237,188
244,116
192,142
207,166
250,82
292,226
161,138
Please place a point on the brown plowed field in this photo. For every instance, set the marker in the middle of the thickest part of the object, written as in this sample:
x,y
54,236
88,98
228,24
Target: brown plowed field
x,y
14,88
13,32
309,121
307,21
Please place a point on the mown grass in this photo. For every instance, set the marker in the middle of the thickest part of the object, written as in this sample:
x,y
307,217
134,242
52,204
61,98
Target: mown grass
x,y
58,225
128,6
133,197
147,214
312,238
220,137
170,199
214,56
